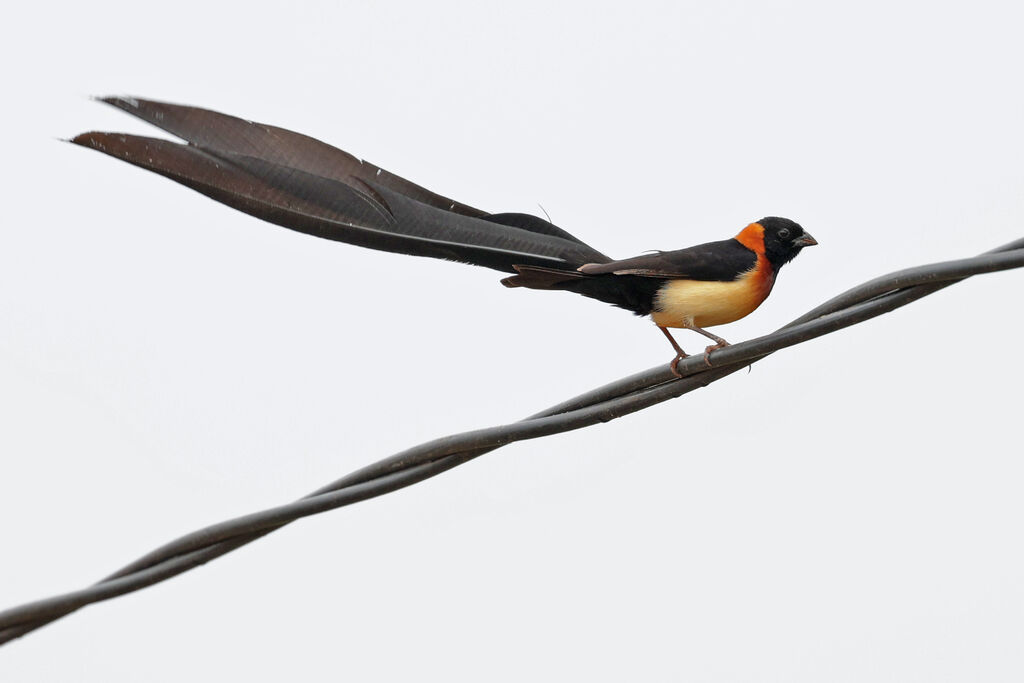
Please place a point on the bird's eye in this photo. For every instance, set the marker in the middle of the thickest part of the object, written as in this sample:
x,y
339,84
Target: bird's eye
x,y
784,233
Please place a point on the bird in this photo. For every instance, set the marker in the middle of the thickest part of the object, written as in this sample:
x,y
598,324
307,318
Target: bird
x,y
301,183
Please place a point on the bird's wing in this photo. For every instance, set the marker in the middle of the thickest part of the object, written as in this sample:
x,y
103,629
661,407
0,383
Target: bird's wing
x,y
717,261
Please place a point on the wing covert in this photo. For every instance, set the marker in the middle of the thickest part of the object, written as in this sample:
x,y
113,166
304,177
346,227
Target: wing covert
x,y
714,261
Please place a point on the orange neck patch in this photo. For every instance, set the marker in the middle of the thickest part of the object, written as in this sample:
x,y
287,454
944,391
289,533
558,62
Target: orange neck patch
x,y
752,237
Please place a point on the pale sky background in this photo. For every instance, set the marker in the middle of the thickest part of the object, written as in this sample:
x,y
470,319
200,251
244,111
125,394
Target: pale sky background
x,y
850,510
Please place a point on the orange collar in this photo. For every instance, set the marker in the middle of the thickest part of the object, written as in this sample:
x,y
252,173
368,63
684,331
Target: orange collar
x,y
752,237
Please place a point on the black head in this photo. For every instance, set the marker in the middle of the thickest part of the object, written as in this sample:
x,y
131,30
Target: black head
x,y
783,240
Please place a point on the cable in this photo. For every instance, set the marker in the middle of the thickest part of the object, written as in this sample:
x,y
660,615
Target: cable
x,y
623,397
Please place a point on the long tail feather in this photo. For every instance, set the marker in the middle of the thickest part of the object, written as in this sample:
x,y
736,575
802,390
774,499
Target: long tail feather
x,y
301,183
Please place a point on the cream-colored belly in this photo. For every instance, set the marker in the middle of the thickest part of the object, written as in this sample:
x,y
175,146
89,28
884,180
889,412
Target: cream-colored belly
x,y
682,303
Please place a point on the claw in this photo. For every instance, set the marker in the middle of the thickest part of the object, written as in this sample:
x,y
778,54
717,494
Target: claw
x,y
674,365
713,347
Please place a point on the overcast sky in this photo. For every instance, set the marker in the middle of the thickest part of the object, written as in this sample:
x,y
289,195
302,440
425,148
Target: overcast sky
x,y
850,510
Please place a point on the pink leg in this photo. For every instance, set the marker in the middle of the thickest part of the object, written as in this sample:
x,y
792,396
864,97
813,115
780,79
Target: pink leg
x,y
680,354
719,343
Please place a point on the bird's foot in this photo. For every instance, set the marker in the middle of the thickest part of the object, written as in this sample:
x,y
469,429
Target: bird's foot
x,y
714,347
674,365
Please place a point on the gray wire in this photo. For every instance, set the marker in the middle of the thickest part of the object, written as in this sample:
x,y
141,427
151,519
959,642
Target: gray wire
x,y
620,398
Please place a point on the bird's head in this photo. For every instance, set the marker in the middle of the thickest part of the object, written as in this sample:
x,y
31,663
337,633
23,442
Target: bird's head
x,y
783,240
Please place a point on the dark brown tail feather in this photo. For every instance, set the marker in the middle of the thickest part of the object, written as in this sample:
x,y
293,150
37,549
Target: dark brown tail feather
x,y
306,185
632,292
539,277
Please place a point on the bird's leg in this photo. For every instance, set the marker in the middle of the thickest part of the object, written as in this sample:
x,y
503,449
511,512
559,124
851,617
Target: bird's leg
x,y
680,354
719,342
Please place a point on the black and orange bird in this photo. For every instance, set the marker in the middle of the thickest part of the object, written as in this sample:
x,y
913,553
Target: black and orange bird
x,y
306,185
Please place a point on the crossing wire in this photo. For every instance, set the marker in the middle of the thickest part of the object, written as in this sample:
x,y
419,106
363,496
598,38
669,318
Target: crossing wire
x,y
623,397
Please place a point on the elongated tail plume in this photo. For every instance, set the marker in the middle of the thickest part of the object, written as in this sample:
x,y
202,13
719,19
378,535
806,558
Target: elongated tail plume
x,y
306,185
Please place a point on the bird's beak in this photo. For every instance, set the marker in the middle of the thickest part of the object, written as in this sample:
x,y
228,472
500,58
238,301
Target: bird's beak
x,y
805,240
